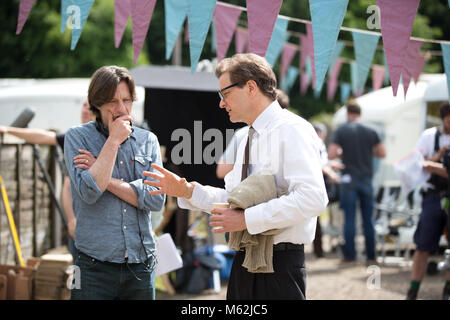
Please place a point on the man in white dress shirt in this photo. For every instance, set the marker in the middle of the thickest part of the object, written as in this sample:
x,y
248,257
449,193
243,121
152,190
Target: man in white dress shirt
x,y
281,143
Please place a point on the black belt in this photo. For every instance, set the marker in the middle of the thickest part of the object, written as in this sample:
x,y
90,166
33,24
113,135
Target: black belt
x,y
284,246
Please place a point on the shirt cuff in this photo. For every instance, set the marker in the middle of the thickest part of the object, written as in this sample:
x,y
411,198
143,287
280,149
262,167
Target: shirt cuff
x,y
253,220
198,201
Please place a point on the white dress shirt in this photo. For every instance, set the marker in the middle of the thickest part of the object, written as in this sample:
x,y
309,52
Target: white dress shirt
x,y
286,146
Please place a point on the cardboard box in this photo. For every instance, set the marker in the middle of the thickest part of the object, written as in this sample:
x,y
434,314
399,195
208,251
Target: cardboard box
x,y
19,282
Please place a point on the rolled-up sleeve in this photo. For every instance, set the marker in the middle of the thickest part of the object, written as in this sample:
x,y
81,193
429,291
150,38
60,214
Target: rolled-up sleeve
x,y
146,201
82,180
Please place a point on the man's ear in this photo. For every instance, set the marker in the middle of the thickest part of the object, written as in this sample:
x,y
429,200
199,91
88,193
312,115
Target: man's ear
x,y
252,87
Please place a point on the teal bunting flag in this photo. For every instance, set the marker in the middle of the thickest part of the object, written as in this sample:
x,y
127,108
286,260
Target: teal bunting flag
x,y
200,13
326,17
175,12
446,56
289,80
279,37
74,14
345,92
365,46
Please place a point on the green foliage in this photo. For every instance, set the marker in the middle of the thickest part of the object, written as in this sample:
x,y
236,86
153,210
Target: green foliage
x,y
41,51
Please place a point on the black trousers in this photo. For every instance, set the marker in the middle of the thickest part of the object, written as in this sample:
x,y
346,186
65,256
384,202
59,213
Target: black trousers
x,y
288,282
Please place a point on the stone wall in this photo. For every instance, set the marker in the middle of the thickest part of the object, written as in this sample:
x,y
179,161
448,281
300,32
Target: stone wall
x,y
30,200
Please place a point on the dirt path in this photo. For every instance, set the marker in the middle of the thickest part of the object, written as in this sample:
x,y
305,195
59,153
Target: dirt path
x,y
328,280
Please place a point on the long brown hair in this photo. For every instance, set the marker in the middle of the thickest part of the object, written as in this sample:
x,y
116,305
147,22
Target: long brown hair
x,y
103,86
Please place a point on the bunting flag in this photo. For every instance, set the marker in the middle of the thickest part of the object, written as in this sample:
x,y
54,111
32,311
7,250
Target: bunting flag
x,y
175,13
200,14
225,21
186,31
386,73
345,92
304,50
412,57
354,77
262,15
396,19
289,80
446,56
279,37
449,3
309,33
25,7
327,17
339,47
306,76
333,80
141,14
365,46
76,12
122,10
418,67
378,73
289,51
241,40
213,38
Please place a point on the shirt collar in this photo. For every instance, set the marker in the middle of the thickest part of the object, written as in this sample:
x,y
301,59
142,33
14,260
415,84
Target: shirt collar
x,y
265,117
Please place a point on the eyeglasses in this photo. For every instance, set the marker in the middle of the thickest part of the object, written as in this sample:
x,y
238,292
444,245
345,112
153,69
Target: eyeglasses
x,y
221,91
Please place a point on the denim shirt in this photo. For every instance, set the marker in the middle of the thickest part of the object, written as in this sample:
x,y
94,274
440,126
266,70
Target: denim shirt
x,y
108,228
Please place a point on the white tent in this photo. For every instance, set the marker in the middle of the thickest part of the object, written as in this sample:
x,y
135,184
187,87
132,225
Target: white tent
x,y
399,120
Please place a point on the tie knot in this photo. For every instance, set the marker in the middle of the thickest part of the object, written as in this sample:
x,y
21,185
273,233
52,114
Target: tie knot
x,y
251,131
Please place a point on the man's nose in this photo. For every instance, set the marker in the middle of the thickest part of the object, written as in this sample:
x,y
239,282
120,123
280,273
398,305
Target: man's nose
x,y
222,104
120,107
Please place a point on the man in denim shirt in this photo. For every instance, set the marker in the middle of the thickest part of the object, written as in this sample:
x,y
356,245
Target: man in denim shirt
x,y
111,203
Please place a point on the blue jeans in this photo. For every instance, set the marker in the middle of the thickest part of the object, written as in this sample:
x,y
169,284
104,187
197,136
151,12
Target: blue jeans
x,y
358,188
107,281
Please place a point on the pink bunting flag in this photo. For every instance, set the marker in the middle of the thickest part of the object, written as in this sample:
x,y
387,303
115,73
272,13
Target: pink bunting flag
x,y
418,67
241,40
289,51
186,32
377,77
262,15
24,11
397,19
141,13
332,84
411,58
304,50
304,83
225,20
122,10
309,32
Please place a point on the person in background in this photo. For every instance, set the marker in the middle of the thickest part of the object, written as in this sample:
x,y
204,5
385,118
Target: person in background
x,y
41,136
228,158
359,144
330,177
433,143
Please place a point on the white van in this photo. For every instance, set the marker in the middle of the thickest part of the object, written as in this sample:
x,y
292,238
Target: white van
x,y
56,102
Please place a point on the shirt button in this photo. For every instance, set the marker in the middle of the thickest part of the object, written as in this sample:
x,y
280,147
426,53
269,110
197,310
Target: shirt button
x,y
121,179
124,210
124,227
121,162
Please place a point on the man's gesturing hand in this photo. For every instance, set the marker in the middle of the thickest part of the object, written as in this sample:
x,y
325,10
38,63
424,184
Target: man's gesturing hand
x,y
169,183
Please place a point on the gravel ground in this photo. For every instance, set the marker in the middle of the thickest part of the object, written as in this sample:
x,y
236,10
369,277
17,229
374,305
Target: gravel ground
x,y
328,280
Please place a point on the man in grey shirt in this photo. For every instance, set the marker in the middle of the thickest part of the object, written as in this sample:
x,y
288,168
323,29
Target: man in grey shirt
x,y
112,204
359,144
